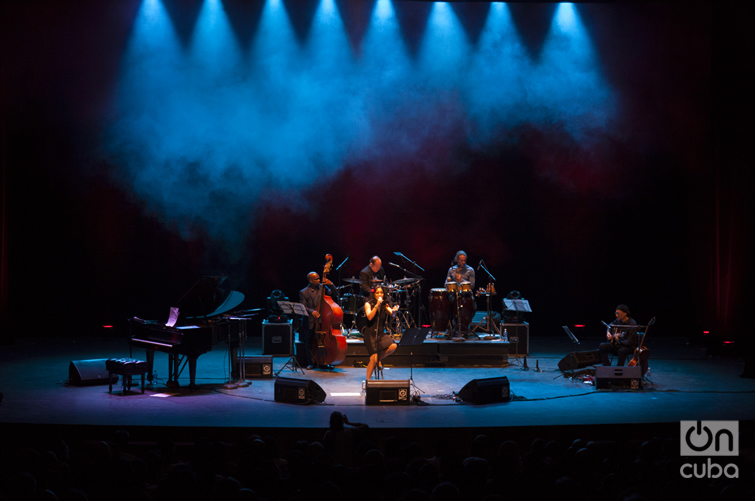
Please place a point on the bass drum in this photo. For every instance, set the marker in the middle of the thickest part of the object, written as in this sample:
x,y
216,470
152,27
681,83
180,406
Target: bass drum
x,y
440,309
350,303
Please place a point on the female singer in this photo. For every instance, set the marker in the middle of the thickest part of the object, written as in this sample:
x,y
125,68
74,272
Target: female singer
x,y
379,344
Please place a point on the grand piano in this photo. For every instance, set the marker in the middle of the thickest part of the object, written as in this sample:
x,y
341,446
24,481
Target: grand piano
x,y
199,327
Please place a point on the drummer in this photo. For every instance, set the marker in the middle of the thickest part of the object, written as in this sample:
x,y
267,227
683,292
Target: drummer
x,y
460,272
372,274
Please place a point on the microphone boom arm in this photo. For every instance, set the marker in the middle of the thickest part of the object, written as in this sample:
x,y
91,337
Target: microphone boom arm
x,y
413,262
482,265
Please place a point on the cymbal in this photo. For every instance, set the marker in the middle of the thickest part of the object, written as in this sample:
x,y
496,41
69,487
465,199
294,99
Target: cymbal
x,y
353,280
405,281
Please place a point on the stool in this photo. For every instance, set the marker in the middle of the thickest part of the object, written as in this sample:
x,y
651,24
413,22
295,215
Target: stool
x,y
126,367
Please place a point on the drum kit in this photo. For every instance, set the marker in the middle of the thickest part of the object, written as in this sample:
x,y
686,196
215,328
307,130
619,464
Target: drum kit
x,y
399,291
452,308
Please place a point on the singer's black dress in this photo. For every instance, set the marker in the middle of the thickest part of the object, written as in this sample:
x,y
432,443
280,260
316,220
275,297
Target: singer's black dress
x,y
376,341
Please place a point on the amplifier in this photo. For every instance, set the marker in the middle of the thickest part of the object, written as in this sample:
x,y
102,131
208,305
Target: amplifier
x,y
519,338
277,339
607,378
261,367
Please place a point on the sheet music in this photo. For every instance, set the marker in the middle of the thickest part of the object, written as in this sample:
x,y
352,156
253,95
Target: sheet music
x,y
291,307
172,318
520,305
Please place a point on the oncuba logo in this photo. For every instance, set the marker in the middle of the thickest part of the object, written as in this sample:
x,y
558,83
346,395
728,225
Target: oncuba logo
x,y
709,438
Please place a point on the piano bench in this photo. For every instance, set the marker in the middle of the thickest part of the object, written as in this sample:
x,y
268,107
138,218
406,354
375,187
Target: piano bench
x,y
126,367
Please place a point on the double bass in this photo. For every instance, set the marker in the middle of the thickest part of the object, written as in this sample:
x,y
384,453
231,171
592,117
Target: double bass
x,y
329,345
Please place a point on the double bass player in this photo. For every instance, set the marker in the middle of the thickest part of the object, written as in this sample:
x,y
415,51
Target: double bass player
x,y
310,298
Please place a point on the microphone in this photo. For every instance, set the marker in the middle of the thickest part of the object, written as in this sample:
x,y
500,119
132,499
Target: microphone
x,y
394,264
478,266
398,254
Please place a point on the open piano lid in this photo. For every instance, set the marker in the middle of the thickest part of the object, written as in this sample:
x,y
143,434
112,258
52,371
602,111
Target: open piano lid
x,y
205,299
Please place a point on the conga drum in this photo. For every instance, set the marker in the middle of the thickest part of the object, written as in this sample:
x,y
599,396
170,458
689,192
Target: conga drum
x,y
440,309
466,310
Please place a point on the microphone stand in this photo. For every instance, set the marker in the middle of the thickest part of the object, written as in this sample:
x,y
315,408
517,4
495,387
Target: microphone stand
x,y
376,369
407,319
490,291
342,263
458,311
338,289
242,382
418,290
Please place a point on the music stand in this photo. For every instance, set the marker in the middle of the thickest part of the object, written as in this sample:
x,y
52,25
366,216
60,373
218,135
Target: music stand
x,y
413,337
518,305
290,308
240,351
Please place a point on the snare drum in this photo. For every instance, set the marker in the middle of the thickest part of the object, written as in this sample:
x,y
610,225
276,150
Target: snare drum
x,y
440,309
350,303
451,286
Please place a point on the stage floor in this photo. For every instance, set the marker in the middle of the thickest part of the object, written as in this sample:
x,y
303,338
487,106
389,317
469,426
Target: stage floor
x,y
684,385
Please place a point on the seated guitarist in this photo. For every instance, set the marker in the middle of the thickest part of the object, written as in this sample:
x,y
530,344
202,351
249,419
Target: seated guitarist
x,y
621,337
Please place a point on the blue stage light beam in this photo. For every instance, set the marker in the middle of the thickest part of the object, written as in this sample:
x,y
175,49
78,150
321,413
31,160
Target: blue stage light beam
x,y
445,47
214,48
497,79
567,82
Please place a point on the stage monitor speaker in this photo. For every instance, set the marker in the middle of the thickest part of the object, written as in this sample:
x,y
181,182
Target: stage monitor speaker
x,y
607,378
261,367
579,360
486,391
89,372
385,392
298,391
277,339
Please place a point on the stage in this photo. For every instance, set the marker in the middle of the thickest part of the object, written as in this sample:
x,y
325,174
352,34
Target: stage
x,y
683,384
